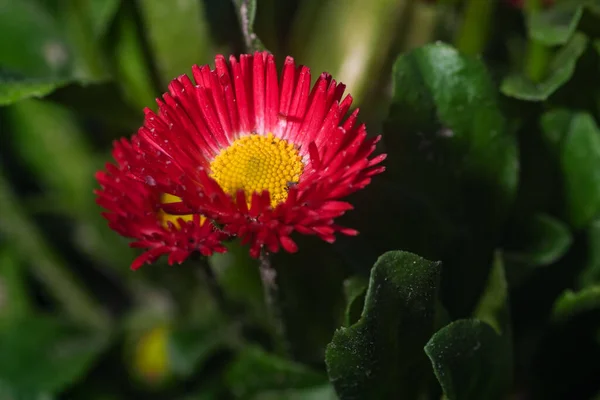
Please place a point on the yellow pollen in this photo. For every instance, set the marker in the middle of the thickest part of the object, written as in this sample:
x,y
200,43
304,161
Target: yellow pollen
x,y
164,217
255,163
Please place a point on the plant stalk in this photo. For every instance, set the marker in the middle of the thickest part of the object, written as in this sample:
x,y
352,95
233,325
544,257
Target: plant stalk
x,y
268,275
474,31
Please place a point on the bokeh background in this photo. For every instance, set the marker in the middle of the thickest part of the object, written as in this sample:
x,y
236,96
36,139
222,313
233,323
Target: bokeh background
x,y
77,323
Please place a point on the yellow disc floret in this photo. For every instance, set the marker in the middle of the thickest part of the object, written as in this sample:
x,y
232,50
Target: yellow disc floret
x,y
165,218
255,163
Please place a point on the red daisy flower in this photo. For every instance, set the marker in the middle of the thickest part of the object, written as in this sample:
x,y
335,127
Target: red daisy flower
x,y
134,210
261,156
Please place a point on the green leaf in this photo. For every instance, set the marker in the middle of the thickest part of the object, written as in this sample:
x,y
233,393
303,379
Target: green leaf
x,y
15,87
537,241
37,45
560,70
570,303
470,361
379,357
493,305
178,35
43,355
580,164
555,25
452,149
246,11
355,291
255,371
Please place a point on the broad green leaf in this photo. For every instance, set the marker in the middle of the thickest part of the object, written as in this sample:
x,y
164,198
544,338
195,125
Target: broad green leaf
x,y
570,303
448,135
246,11
451,148
575,141
537,241
380,356
355,290
470,361
555,25
254,371
591,273
43,355
178,35
580,163
560,69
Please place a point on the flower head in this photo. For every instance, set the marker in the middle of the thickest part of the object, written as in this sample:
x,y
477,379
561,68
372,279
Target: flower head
x,y
259,155
134,210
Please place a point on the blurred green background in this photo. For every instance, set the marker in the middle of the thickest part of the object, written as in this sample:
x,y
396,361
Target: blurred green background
x,y
493,168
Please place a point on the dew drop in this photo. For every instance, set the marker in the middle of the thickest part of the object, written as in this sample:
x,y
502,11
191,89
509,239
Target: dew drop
x,y
150,180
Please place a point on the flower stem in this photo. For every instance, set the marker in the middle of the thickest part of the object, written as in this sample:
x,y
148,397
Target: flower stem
x,y
536,58
268,275
473,33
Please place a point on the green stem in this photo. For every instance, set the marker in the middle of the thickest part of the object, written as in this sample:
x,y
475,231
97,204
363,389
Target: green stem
x,y
246,12
268,275
473,33
536,58
423,22
22,234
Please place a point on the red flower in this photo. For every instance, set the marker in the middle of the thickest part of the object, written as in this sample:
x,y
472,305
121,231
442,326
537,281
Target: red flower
x,y
261,156
135,212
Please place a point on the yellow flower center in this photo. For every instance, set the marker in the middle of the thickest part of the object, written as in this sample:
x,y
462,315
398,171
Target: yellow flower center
x,y
255,163
164,218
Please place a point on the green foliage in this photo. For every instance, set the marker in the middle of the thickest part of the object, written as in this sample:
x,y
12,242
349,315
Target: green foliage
x,y
558,72
469,361
493,168
380,356
555,25
570,303
42,355
255,371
